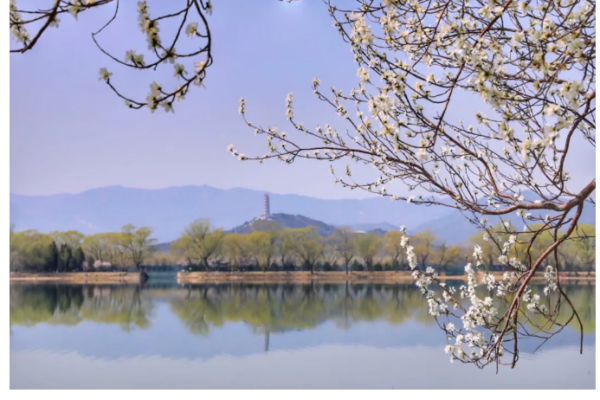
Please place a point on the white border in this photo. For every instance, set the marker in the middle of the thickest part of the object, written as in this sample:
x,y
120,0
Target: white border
x,y
250,395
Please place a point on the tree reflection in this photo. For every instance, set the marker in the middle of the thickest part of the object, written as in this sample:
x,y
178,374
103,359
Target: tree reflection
x,y
72,304
267,308
272,308
583,298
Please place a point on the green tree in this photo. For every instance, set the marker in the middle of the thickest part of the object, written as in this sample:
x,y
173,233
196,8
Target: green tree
x,y
97,246
65,256
137,242
344,243
392,246
14,247
265,226
52,259
490,250
446,256
368,247
89,263
199,244
238,250
118,253
568,255
585,240
29,250
531,245
263,247
72,238
308,246
423,246
329,254
286,248
78,259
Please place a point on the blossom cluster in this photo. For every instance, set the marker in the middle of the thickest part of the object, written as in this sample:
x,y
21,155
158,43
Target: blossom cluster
x,y
17,30
475,104
166,54
476,311
160,50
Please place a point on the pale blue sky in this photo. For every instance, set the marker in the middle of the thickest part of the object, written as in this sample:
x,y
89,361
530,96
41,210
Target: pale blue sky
x,y
70,133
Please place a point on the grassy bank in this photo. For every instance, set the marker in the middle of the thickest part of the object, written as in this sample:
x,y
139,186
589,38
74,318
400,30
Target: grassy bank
x,y
78,277
328,277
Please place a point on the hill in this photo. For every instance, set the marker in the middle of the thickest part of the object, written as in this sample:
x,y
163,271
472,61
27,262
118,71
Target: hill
x,y
288,221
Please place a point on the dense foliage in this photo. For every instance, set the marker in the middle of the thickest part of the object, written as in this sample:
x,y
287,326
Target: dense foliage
x,y
267,247
72,251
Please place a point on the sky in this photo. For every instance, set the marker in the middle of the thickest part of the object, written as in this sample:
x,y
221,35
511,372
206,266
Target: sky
x,y
69,132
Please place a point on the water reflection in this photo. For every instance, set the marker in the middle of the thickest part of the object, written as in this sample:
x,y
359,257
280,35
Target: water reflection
x,y
269,307
72,304
232,324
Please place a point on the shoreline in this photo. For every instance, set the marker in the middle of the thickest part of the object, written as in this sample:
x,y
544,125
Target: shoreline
x,y
380,277
77,277
336,277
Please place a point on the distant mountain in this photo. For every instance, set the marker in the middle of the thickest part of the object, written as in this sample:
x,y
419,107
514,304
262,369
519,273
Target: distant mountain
x,y
288,221
381,226
170,210
455,228
452,228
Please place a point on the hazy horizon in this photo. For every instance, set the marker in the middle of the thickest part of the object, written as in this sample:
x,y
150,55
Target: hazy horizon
x,y
368,195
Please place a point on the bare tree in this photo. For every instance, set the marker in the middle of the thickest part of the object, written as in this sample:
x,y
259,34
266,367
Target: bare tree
x,y
423,67
187,18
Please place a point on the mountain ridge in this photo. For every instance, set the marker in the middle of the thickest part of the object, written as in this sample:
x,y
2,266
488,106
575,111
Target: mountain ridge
x,y
168,211
171,209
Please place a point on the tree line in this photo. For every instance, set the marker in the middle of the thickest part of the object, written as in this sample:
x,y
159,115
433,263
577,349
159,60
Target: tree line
x,y
72,251
268,247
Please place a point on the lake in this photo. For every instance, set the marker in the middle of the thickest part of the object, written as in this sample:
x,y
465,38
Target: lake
x,y
243,336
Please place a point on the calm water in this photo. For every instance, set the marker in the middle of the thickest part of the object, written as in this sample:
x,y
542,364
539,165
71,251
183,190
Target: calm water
x,y
262,336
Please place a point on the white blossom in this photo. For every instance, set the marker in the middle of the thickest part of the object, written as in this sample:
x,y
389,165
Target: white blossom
x,y
104,74
191,29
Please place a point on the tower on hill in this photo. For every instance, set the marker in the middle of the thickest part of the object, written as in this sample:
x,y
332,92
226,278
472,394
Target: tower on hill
x,y
267,207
